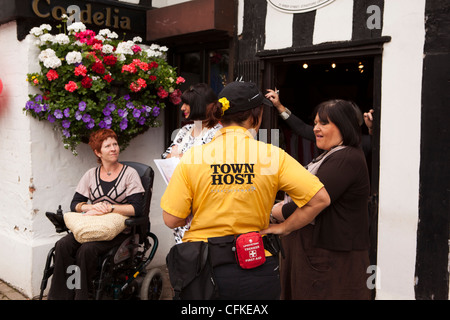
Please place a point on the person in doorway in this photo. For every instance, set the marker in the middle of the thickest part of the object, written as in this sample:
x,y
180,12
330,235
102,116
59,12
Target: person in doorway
x,y
328,259
110,187
198,106
305,130
232,188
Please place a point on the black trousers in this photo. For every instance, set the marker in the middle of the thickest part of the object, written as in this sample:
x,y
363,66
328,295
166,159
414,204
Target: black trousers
x,y
261,283
69,252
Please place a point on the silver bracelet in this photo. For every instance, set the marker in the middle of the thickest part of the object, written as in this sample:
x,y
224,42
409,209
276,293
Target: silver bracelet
x,y
285,114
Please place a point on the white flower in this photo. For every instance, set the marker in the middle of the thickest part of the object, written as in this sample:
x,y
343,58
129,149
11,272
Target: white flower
x,y
163,49
76,27
107,49
46,27
105,32
121,57
52,62
153,53
137,39
74,57
125,48
36,31
61,39
99,37
46,54
154,47
46,37
113,35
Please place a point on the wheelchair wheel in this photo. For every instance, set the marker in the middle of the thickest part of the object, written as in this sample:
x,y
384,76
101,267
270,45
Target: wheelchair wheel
x,y
152,286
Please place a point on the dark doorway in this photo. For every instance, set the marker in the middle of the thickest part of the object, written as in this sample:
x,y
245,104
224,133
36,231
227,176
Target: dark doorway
x,y
307,79
305,84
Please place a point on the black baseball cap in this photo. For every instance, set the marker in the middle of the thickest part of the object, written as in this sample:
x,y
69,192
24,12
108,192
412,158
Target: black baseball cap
x,y
243,96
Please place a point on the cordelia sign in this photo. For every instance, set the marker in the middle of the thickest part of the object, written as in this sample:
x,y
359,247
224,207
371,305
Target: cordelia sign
x,y
298,6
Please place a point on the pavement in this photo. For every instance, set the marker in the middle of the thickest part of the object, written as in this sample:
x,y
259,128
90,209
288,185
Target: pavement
x,y
8,292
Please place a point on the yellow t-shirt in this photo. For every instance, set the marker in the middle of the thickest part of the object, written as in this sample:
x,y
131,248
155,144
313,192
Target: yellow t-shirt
x,y
230,185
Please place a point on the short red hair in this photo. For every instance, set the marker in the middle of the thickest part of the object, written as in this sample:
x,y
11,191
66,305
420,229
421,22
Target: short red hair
x,y
96,140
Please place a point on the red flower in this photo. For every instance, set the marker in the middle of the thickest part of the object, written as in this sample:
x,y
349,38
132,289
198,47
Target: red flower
x,y
80,70
86,82
110,60
153,78
129,67
153,64
138,85
136,48
142,83
52,75
71,86
180,80
98,67
175,97
162,93
108,78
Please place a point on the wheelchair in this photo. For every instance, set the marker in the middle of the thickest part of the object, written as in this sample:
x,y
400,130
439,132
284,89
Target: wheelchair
x,y
122,273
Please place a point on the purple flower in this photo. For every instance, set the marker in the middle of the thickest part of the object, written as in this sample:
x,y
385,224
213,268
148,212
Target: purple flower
x,y
111,106
58,114
122,113
109,98
67,112
141,121
106,111
82,106
86,118
29,105
102,124
136,113
66,133
91,124
124,124
51,118
156,111
66,124
37,108
108,121
130,105
78,115
126,97
38,98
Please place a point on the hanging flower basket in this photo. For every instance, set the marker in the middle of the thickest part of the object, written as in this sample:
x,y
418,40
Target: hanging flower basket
x,y
90,81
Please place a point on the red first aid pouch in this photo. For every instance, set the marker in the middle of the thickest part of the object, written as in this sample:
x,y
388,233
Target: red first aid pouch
x,y
250,250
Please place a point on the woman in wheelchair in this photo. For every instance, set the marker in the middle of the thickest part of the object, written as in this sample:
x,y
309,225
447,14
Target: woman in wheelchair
x,y
110,187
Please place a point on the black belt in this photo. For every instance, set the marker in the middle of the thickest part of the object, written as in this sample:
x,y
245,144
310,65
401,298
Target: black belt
x,y
222,249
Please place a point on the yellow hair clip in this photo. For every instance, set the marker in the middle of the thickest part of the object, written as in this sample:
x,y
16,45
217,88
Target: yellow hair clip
x,y
225,104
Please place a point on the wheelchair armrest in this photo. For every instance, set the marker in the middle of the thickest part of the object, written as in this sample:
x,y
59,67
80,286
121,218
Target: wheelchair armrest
x,y
136,221
58,221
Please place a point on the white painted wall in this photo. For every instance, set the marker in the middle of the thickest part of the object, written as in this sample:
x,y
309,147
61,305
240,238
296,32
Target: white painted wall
x,y
279,35
32,157
404,21
334,22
